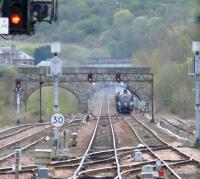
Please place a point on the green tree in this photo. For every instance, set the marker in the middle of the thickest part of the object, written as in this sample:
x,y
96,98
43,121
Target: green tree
x,y
92,25
42,53
197,19
122,16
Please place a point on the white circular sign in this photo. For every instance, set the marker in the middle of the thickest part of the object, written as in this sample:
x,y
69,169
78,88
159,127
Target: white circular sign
x,y
57,120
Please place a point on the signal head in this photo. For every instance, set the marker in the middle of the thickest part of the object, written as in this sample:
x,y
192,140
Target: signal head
x,y
90,78
18,84
118,78
19,14
15,19
16,13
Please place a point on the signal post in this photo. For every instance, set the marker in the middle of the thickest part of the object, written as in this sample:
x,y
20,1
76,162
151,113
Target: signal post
x,y
196,73
57,119
18,91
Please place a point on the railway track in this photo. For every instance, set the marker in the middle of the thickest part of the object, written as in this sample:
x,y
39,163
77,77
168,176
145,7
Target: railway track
x,y
104,161
179,158
25,136
108,163
105,157
177,127
100,140
102,156
37,138
22,140
103,138
182,159
145,136
18,129
162,151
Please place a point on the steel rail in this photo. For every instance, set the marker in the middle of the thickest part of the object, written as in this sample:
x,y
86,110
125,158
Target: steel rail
x,y
25,169
169,168
183,122
123,151
23,149
16,132
24,138
72,119
183,129
87,150
126,150
177,163
177,119
86,163
33,143
176,149
18,128
133,166
97,153
115,150
62,164
71,122
7,170
114,145
122,166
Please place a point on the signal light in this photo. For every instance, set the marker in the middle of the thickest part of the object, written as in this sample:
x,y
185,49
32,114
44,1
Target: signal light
x,y
90,78
18,84
15,14
16,19
118,78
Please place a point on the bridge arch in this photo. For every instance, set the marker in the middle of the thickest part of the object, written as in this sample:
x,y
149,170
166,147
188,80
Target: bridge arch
x,y
29,90
29,93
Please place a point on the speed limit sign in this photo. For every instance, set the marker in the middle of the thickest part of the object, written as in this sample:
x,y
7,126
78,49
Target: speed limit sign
x,y
57,120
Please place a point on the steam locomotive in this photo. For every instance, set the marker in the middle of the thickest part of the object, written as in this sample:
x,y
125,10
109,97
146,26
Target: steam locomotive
x,y
124,101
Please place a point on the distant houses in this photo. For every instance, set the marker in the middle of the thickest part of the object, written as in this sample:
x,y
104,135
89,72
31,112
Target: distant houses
x,y
14,57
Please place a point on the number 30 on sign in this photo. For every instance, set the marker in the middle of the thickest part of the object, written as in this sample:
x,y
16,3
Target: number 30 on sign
x,y
57,120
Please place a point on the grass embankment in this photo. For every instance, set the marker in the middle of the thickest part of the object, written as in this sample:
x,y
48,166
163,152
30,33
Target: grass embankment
x,y
67,103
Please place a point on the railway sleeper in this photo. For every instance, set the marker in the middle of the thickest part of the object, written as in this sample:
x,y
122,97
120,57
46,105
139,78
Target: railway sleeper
x,y
92,177
158,146
101,157
146,136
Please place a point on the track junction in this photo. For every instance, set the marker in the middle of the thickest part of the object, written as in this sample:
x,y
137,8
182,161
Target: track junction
x,y
106,146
